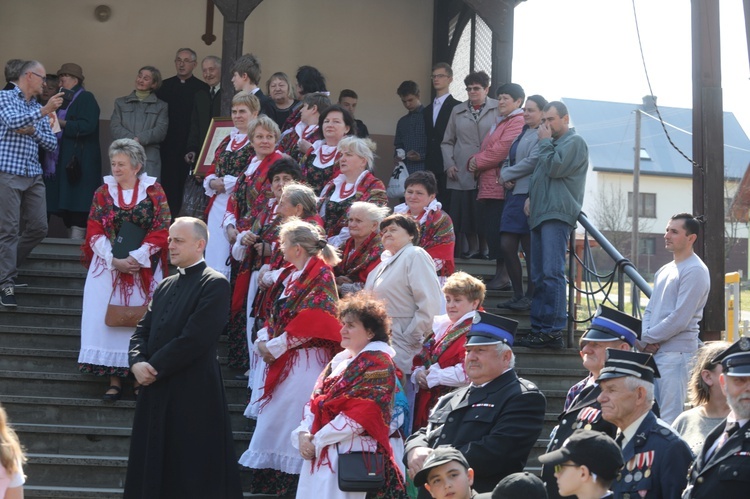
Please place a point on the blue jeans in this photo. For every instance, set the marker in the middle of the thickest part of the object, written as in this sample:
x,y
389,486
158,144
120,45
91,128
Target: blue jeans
x,y
549,244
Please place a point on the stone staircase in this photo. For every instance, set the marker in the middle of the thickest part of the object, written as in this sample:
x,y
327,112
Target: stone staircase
x,y
77,444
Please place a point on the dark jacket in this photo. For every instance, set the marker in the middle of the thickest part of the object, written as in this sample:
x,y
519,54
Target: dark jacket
x,y
204,109
434,157
727,473
495,427
656,461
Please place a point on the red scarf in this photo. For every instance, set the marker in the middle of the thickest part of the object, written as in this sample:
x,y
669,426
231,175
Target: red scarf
x,y
438,239
356,264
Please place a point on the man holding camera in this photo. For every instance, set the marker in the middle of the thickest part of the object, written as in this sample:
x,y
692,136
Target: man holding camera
x,y
24,127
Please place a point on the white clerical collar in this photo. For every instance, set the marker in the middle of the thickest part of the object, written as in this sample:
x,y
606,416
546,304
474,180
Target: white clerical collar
x,y
182,271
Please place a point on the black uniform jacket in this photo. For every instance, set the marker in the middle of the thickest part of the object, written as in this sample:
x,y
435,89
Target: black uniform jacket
x,y
495,427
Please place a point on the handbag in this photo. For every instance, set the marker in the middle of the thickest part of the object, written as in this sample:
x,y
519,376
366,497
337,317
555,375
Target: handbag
x,y
194,199
396,183
361,471
123,315
73,169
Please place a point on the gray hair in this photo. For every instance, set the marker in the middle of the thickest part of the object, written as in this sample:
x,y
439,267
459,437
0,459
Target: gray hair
x,y
374,212
301,195
215,58
502,348
132,149
13,69
310,238
193,54
632,383
364,148
200,229
29,66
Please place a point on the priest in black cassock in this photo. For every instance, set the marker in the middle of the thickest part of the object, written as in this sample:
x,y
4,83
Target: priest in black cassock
x,y
181,444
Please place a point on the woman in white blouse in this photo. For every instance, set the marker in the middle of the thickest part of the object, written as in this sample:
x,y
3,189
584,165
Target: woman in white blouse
x,y
11,461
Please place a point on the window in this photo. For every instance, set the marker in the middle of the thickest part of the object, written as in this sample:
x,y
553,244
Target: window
x,y
645,156
473,53
647,246
646,206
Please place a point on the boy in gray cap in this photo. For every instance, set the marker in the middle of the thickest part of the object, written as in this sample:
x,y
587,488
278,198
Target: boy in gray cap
x,y
446,473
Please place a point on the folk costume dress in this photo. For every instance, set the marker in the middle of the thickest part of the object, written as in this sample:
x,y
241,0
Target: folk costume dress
x,y
288,143
232,157
320,165
338,196
104,349
357,263
442,357
303,333
350,410
250,197
436,236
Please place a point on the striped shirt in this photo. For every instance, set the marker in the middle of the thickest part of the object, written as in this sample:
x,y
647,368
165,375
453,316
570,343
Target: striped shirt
x,y
19,154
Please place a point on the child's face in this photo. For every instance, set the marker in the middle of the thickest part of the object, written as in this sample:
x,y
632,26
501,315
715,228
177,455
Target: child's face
x,y
568,478
450,480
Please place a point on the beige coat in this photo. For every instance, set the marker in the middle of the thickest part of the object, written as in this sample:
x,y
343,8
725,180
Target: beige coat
x,y
408,284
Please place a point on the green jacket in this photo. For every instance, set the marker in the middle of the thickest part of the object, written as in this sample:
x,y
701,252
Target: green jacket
x,y
559,180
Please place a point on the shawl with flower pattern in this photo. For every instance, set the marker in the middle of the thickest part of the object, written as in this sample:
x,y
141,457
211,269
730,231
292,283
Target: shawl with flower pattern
x,y
446,352
438,239
228,163
356,264
370,189
101,222
309,311
315,177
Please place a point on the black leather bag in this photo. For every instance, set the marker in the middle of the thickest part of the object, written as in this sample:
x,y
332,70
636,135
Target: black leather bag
x,y
73,170
361,471
194,199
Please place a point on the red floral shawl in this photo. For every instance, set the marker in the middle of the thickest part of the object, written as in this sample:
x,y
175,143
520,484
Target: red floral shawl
x,y
248,200
370,189
228,163
101,223
438,239
309,311
449,351
364,391
357,264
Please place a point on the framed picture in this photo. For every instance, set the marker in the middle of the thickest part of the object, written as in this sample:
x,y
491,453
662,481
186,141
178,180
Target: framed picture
x,y
219,129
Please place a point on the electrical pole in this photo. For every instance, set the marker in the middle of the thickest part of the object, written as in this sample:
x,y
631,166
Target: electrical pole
x,y
635,205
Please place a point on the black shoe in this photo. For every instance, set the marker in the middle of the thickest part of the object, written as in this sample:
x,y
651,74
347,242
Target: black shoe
x,y
541,340
112,397
522,304
8,297
508,303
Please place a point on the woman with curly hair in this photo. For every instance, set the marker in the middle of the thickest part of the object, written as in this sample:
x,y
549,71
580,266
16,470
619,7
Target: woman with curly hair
x,y
350,408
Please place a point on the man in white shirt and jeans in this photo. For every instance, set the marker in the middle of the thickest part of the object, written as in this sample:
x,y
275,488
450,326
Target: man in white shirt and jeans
x,y
670,322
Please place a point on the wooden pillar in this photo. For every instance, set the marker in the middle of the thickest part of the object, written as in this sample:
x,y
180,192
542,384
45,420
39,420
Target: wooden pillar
x,y
498,14
708,153
234,12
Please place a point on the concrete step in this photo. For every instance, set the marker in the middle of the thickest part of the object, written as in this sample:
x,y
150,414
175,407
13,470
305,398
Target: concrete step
x,y
53,261
567,358
56,245
67,279
34,296
552,379
40,337
41,316
60,492
76,470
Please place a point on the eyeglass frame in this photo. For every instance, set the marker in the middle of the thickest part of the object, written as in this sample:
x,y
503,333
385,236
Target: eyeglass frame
x,y
44,78
559,467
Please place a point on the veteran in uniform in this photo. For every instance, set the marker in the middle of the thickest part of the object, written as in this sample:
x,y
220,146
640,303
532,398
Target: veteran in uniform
x,y
609,328
722,469
494,421
656,458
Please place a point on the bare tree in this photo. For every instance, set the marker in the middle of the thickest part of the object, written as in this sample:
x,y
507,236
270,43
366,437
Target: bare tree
x,y
612,218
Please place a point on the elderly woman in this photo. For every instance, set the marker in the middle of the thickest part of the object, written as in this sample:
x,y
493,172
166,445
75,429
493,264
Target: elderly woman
x,y
297,139
299,339
435,226
79,165
320,160
486,165
128,197
243,220
350,408
355,183
12,459
279,88
406,280
439,368
231,159
708,401
361,252
514,227
470,122
142,117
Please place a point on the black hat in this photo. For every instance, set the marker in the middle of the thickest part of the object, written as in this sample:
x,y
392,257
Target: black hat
x,y
438,457
736,359
491,329
521,485
593,449
610,324
621,363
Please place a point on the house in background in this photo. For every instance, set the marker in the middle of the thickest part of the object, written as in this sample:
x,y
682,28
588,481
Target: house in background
x,y
665,181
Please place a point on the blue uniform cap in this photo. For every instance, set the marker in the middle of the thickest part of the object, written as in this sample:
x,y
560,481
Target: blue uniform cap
x,y
491,329
610,324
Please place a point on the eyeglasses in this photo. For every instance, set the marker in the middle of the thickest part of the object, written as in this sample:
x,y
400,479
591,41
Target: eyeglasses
x,y
183,61
435,77
474,89
559,467
44,78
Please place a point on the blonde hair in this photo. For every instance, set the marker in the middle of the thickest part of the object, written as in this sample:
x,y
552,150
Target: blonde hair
x,y
265,123
699,392
463,284
308,237
364,148
11,453
247,99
